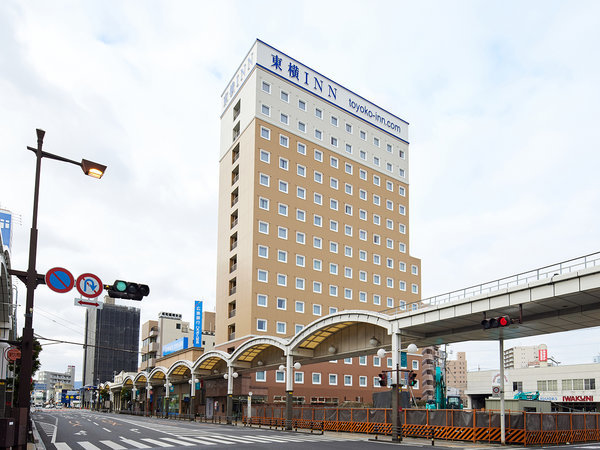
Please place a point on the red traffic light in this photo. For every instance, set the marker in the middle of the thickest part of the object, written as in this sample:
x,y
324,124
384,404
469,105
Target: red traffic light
x,y
382,379
495,322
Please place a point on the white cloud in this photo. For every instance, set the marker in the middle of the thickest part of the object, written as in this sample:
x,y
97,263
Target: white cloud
x,y
502,99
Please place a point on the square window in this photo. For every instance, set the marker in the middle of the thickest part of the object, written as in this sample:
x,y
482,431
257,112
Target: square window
x,y
333,268
318,198
348,128
389,243
263,203
334,141
317,220
299,377
333,247
263,227
348,188
261,325
316,310
282,256
283,186
265,156
316,378
279,376
261,300
362,360
362,296
333,204
389,148
301,193
333,225
302,105
266,87
414,289
362,255
376,160
402,191
285,96
363,135
414,270
333,290
317,287
281,303
362,155
284,163
284,141
362,275
263,251
362,381
333,379
317,242
376,180
333,183
376,141
300,260
318,155
284,118
376,361
376,281
389,167
334,121
261,376
300,237
299,307
348,148
347,380
301,170
389,282
301,148
362,174
332,310
402,209
333,162
348,251
348,168
264,180
318,176
319,134
281,327
362,214
318,113
317,264
281,279
300,282
348,230
376,299
348,209
263,276
282,232
300,215
298,328
265,110
348,293
376,200
302,127
347,360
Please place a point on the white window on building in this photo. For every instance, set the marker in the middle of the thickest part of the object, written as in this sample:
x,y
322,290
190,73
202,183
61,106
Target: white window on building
x,y
316,378
347,380
279,376
261,376
261,325
281,303
263,276
317,310
266,87
285,96
302,105
299,307
281,327
333,379
266,110
261,300
301,148
265,133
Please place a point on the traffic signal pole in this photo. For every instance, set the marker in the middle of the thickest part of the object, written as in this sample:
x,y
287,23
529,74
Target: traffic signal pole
x,y
502,424
396,425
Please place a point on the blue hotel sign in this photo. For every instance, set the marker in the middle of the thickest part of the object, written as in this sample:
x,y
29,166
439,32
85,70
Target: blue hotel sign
x,y
282,65
5,227
198,324
175,346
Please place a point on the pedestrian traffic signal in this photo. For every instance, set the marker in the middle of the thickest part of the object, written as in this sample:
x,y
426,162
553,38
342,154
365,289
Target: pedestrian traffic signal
x,y
382,379
412,378
127,290
495,322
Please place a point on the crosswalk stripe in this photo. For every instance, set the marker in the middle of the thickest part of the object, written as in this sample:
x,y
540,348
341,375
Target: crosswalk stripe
x,y
230,437
271,439
177,441
88,445
197,440
219,441
113,445
155,442
134,443
62,446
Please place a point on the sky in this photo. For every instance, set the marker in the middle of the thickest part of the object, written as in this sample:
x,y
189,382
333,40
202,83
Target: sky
x,y
502,98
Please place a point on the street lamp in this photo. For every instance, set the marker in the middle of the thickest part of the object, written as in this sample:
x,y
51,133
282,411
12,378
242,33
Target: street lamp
x,y
32,280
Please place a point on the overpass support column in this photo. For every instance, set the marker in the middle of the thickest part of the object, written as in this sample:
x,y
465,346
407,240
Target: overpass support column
x,y
229,394
167,399
289,390
147,411
396,424
502,422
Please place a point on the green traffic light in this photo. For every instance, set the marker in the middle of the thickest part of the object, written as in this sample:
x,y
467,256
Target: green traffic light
x,y
120,286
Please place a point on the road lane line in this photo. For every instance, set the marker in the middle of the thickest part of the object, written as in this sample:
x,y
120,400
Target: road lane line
x,y
88,445
134,443
113,445
155,442
178,442
107,430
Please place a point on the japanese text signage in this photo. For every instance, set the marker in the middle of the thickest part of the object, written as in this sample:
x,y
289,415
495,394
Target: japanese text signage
x,y
198,324
311,81
543,354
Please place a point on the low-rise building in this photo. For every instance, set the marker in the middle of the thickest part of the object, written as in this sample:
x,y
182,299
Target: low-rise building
x,y
567,387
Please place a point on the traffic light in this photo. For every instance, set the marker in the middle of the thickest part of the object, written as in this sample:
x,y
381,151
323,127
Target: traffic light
x,y
496,322
127,290
412,378
382,379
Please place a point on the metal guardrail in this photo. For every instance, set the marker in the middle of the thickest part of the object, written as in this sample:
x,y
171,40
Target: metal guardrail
x,y
571,265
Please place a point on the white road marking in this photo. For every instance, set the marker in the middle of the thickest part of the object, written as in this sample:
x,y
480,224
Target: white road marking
x,y
134,443
88,445
61,446
113,445
177,441
155,442
197,440
107,430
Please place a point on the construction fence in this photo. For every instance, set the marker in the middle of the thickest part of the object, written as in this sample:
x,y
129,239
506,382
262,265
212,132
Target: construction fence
x,y
521,428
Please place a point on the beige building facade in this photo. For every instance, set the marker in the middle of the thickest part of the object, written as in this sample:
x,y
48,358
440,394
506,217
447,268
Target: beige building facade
x,y
313,202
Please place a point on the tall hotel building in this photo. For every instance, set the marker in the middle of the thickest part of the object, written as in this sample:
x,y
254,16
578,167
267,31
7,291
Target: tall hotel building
x,y
313,202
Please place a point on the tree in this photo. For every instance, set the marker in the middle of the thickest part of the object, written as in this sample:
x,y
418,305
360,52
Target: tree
x,y
16,369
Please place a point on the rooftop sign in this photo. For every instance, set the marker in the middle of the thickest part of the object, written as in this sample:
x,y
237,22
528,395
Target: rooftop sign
x,y
304,77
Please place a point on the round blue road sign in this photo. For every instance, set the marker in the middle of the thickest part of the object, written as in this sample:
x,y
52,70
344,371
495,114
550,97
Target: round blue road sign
x,y
59,280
